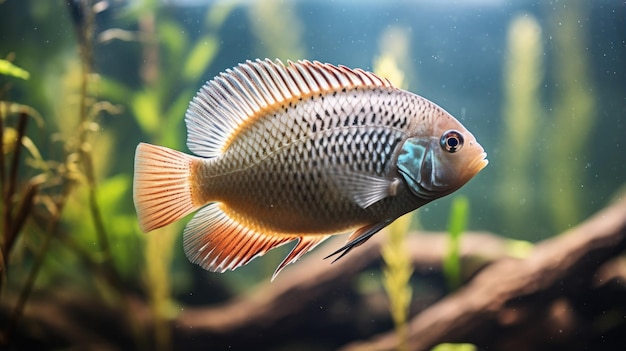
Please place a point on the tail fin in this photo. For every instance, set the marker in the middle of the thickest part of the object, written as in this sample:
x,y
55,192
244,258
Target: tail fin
x,y
162,186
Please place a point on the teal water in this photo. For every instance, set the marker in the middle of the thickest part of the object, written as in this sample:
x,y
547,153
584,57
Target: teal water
x,y
149,58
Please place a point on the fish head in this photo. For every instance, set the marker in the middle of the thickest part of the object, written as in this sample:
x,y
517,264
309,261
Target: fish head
x,y
441,161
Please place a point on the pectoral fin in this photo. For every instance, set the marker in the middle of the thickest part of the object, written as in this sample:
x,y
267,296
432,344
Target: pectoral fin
x,y
366,189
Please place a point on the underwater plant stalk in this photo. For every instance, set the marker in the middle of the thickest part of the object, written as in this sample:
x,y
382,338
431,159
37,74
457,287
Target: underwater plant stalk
x,y
3,261
23,209
268,24
573,113
521,113
398,267
83,16
9,192
2,167
459,214
11,225
21,130
84,24
396,277
51,230
19,216
158,248
15,206
85,32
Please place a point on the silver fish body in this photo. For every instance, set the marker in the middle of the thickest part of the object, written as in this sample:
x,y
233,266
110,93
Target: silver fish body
x,y
300,153
290,170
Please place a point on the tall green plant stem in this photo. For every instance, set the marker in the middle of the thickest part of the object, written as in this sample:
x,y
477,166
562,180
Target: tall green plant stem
x,y
574,112
3,261
459,215
396,277
522,114
9,188
82,149
51,230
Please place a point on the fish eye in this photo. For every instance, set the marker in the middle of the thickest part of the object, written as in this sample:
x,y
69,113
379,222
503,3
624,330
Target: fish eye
x,y
451,141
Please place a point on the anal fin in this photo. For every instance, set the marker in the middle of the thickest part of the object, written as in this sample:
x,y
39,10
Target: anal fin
x,y
304,245
217,242
357,238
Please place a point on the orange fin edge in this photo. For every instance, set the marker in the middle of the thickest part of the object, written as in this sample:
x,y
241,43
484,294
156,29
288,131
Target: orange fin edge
x,y
218,243
161,185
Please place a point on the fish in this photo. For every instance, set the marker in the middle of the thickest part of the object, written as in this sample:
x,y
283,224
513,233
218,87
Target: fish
x,y
299,152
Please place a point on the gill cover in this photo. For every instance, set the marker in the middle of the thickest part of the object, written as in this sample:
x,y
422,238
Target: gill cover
x,y
415,164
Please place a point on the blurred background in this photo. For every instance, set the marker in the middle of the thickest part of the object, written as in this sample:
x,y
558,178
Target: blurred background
x,y
542,85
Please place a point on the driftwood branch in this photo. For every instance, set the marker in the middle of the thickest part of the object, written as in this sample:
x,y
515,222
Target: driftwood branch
x,y
511,293
504,297
317,297
509,304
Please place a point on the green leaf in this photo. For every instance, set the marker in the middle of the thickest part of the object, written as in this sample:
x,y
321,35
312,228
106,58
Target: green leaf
x,y
176,111
519,248
216,16
112,191
136,9
173,39
9,69
145,106
126,241
8,108
38,162
172,120
114,90
454,347
397,275
458,222
458,217
200,57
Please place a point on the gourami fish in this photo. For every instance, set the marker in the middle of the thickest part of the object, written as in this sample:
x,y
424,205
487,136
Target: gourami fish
x,y
299,152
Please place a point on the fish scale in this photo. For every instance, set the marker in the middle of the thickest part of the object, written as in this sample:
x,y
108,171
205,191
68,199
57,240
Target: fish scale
x,y
299,153
289,145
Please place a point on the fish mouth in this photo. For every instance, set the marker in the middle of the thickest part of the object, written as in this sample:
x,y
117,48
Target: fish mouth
x,y
479,163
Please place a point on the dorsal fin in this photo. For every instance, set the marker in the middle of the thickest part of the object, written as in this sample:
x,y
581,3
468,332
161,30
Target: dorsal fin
x,y
229,100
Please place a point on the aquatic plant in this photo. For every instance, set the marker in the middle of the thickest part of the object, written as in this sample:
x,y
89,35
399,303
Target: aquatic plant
x,y
459,215
454,347
398,267
397,275
7,68
565,158
45,194
279,30
16,203
522,113
396,61
15,207
172,69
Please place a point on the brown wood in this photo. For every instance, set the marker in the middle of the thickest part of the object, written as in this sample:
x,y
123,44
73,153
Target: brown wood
x,y
511,293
